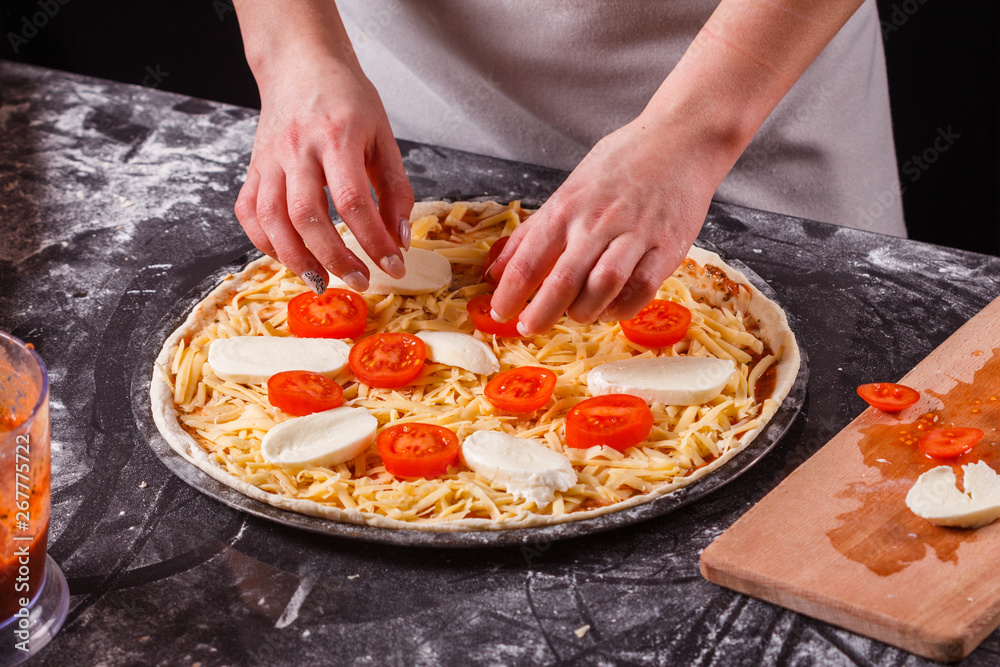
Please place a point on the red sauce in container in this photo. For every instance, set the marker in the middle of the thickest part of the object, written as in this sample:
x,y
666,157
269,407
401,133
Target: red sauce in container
x,y
25,482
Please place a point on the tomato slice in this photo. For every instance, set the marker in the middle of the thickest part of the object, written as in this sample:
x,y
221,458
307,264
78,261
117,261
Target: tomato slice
x,y
303,392
479,311
387,360
522,389
946,443
338,313
491,257
417,450
888,396
660,323
616,420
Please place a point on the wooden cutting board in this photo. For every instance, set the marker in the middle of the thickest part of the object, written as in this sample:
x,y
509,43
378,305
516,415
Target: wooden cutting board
x,y
836,541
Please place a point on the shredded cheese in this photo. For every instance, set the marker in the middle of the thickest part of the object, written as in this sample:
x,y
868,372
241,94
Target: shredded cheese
x,y
228,419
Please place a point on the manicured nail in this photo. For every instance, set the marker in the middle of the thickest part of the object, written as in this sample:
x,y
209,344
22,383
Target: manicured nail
x,y
404,233
392,265
356,281
489,272
523,330
315,282
497,318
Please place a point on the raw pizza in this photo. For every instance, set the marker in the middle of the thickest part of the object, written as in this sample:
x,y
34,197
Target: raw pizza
x,y
219,423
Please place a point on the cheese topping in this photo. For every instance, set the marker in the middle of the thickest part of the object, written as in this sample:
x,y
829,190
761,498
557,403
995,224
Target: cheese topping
x,y
667,380
426,271
230,419
321,439
525,468
460,349
253,359
936,497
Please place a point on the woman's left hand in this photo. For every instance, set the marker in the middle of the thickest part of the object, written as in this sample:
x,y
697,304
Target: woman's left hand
x,y
605,241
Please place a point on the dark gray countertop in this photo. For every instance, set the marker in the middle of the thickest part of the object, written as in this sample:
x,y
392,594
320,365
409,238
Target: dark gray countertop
x,y
116,200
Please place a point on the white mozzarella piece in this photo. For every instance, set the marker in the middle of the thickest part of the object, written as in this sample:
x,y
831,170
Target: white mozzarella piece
x,y
935,496
426,271
667,380
460,349
253,359
322,439
525,468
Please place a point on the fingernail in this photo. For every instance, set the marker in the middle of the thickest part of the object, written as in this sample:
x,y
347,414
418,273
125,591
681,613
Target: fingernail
x,y
489,271
392,265
523,330
497,318
356,281
315,282
404,233
606,318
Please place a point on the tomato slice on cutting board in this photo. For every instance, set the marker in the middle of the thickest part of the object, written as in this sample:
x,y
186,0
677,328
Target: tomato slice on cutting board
x,y
491,258
522,389
616,420
302,393
888,396
387,360
660,323
479,311
417,450
946,443
337,313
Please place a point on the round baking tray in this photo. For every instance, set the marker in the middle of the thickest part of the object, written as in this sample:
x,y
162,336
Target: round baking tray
x,y
739,464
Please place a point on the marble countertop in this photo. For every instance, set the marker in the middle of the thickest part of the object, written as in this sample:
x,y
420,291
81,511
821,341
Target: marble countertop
x,y
116,200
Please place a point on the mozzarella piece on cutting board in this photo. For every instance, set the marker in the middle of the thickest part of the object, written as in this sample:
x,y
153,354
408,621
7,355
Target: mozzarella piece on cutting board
x,y
426,271
667,380
460,349
253,359
936,497
322,439
525,468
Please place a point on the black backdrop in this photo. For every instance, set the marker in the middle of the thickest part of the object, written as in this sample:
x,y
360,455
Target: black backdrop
x,y
943,60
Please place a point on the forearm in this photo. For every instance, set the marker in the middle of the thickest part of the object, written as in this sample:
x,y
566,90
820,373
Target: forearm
x,y
322,127
740,65
279,36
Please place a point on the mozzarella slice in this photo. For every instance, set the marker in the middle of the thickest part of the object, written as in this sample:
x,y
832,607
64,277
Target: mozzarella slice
x,y
322,439
667,380
460,349
936,497
525,468
426,271
253,359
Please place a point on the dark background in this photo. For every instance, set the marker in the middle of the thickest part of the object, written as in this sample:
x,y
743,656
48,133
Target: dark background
x,y
943,60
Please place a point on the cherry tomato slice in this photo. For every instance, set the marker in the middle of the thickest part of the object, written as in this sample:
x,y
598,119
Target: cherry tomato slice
x,y
888,396
479,311
417,450
303,392
491,257
387,360
946,443
522,389
616,420
660,323
337,313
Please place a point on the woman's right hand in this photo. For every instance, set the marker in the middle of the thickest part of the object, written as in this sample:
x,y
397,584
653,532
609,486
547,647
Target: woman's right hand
x,y
322,124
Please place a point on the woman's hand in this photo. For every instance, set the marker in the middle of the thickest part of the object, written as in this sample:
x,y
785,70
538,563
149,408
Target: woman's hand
x,y
606,240
322,124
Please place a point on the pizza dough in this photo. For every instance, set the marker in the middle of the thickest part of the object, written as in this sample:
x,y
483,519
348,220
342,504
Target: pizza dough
x,y
217,424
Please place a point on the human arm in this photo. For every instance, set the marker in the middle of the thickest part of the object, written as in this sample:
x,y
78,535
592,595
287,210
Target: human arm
x,y
625,217
321,124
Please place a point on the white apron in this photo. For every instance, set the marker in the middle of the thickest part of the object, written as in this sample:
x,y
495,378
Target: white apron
x,y
543,82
